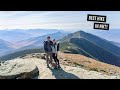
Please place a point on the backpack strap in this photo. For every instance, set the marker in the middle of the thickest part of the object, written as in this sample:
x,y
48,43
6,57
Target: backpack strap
x,y
51,42
57,46
46,42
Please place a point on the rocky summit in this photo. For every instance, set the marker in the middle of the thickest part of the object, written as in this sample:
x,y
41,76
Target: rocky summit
x,y
33,66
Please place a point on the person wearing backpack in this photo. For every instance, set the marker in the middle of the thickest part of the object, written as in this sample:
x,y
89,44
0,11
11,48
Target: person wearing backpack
x,y
55,49
48,50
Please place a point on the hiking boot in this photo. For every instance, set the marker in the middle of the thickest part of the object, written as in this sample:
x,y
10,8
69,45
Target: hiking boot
x,y
48,66
59,66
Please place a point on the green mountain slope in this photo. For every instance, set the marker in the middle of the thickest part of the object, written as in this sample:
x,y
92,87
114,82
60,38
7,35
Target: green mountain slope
x,y
91,46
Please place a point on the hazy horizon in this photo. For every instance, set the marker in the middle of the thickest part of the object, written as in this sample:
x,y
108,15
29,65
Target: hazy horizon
x,y
63,20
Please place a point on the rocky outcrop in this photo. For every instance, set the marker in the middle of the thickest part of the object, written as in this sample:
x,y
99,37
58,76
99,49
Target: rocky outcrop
x,y
72,67
18,69
34,55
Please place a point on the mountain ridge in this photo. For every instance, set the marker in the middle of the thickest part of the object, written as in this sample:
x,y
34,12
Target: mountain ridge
x,y
93,45
38,41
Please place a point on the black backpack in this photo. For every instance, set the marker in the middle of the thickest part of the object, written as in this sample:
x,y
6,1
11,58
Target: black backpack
x,y
58,47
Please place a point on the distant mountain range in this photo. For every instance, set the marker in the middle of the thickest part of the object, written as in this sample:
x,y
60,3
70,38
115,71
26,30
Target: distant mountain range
x,y
5,46
111,35
20,53
38,41
20,34
14,35
78,42
30,43
92,46
116,43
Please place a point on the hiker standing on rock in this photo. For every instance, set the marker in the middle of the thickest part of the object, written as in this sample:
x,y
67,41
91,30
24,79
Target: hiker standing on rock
x,y
55,49
48,50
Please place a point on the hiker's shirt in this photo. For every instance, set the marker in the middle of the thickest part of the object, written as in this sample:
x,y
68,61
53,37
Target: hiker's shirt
x,y
48,46
54,48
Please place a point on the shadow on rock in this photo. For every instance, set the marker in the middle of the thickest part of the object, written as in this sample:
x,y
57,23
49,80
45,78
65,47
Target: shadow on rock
x,y
61,74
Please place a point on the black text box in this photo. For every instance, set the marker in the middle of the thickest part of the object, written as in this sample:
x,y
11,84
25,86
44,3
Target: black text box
x,y
103,26
97,18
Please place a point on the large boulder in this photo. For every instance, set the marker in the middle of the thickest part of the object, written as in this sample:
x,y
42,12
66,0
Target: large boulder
x,y
18,69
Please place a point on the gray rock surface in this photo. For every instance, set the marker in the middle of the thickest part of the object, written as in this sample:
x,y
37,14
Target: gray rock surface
x,y
18,69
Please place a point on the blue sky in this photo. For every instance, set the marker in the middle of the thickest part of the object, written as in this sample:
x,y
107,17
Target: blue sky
x,y
65,20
